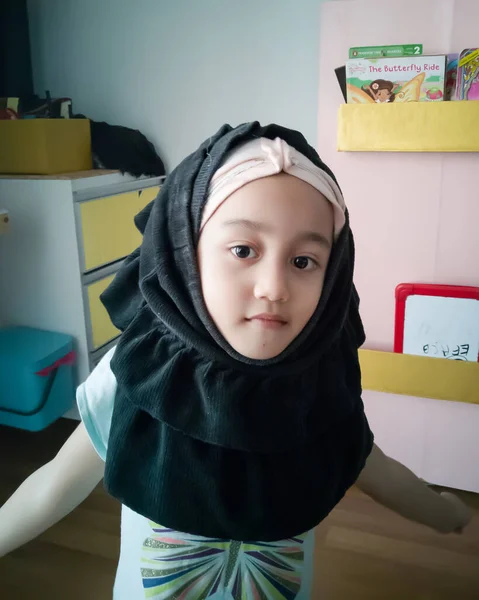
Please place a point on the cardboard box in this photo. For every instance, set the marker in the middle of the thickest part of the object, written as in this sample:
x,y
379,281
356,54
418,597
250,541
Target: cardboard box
x,y
45,146
402,79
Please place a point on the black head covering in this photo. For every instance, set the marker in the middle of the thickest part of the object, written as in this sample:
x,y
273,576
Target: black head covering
x,y
204,440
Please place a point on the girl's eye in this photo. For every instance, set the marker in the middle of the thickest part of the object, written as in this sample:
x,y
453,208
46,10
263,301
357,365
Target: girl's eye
x,y
303,262
243,252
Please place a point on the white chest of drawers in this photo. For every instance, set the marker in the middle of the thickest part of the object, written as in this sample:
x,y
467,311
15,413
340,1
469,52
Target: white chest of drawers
x,y
67,237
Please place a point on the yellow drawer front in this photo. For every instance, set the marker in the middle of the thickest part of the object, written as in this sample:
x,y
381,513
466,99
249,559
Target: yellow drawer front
x,y
102,329
148,194
109,232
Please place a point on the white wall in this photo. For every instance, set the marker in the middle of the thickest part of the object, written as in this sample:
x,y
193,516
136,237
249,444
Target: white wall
x,y
178,69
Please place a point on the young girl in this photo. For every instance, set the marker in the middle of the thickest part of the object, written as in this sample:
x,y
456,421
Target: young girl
x,y
228,420
381,90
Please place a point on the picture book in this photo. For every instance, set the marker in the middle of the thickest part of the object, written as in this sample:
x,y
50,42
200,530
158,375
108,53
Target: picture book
x,y
451,76
403,79
385,51
468,75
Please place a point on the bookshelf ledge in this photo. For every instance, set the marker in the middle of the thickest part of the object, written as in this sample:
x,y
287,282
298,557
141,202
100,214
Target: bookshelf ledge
x,y
409,127
420,376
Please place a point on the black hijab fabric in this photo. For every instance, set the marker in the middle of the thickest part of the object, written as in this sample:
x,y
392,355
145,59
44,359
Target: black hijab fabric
x,y
204,440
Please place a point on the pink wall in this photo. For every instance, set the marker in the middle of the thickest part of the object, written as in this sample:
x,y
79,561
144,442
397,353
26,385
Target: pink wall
x,y
415,216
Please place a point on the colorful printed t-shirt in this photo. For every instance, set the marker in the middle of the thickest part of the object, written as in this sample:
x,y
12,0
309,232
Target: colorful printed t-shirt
x,y
157,563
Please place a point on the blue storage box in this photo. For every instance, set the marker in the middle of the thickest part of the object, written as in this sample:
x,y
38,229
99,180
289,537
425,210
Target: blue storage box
x,y
36,377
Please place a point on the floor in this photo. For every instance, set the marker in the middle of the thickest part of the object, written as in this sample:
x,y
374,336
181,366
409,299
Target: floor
x,y
364,552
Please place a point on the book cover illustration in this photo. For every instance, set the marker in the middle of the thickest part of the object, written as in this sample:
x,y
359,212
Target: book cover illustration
x,y
451,76
404,79
468,75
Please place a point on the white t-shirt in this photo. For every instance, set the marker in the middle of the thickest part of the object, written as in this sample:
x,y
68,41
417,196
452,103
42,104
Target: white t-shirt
x,y
161,564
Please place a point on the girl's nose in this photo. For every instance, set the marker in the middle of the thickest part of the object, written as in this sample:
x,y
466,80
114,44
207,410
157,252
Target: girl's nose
x,y
271,282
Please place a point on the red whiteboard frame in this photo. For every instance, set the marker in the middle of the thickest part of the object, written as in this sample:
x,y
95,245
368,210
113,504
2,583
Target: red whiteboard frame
x,y
403,290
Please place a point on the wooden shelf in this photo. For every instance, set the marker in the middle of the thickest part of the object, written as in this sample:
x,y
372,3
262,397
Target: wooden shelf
x,y
420,376
409,127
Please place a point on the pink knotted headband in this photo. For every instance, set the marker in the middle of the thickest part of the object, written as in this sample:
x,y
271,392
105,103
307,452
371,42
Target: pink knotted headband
x,y
262,158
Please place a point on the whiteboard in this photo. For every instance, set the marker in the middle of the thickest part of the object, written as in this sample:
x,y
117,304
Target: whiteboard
x,y
442,327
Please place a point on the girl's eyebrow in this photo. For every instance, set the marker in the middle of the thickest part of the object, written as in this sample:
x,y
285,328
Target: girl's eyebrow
x,y
314,236
255,225
305,236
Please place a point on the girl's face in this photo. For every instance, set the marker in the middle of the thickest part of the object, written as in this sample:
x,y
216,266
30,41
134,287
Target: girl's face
x,y
262,260
384,95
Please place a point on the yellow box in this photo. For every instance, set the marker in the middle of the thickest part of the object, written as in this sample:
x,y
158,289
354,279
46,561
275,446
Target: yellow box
x,y
409,127
45,146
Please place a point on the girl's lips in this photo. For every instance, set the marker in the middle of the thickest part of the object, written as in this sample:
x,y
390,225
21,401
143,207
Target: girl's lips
x,y
269,321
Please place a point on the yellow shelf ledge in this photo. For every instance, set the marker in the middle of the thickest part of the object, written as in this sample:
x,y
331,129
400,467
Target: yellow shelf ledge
x,y
409,127
419,376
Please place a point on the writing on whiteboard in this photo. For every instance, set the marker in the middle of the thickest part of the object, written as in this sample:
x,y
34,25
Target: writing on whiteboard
x,y
457,352
442,327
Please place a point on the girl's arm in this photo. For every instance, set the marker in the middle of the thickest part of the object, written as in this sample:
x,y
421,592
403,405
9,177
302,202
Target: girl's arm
x,y
392,484
51,492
